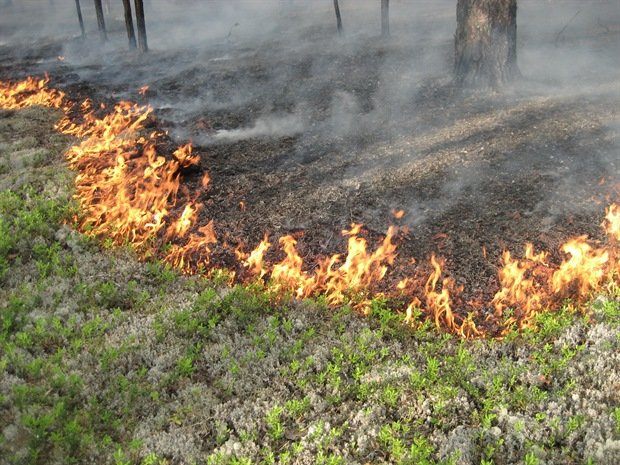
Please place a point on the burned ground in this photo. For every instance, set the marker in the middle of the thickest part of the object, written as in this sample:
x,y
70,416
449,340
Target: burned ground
x,y
306,134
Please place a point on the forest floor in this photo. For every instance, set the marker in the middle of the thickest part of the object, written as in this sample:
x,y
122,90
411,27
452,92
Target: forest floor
x,y
107,359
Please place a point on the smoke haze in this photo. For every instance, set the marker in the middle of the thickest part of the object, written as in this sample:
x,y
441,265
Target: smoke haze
x,y
354,126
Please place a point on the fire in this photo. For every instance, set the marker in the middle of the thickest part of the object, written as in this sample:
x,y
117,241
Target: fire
x,y
519,288
585,268
124,187
288,274
397,214
131,192
612,222
255,260
29,92
361,269
143,90
359,272
194,254
185,157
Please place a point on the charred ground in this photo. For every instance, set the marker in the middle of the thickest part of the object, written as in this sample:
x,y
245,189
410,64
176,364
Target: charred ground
x,y
305,134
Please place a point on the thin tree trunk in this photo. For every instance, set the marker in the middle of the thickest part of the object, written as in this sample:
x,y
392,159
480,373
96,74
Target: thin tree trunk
x,y
100,20
131,35
385,18
80,18
486,42
338,17
141,26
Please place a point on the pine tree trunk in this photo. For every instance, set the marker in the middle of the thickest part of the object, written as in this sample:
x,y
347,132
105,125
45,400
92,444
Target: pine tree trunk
x,y
338,17
80,18
385,18
486,42
141,26
100,20
131,35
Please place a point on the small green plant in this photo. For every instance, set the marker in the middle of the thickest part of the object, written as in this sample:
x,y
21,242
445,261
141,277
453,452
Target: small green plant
x,y
432,369
274,422
531,458
390,395
297,407
616,416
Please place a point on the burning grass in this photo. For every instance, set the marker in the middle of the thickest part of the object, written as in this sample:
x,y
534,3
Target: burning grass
x,y
131,190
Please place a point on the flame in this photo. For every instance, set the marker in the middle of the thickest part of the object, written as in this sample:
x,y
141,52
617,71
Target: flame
x,y
131,192
439,303
29,92
185,157
143,90
519,288
611,225
359,272
255,260
124,187
585,268
288,274
397,214
360,269
194,254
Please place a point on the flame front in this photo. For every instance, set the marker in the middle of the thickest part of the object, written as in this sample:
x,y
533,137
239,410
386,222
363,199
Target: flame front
x,y
29,92
130,193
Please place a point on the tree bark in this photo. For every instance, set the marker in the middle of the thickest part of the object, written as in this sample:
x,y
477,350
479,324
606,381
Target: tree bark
x,y
80,18
141,26
486,42
131,35
385,18
100,20
338,17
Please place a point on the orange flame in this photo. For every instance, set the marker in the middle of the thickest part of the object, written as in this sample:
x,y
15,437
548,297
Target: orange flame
x,y
29,92
255,260
519,289
185,157
611,225
194,254
585,267
288,274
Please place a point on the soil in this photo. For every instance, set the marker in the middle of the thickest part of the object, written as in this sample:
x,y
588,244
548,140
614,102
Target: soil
x,y
307,137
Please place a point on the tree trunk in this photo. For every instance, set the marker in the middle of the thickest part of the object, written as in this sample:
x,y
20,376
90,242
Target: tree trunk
x,y
100,20
338,17
486,42
131,35
385,18
80,18
141,26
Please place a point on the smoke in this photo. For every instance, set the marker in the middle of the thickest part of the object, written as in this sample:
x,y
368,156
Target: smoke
x,y
272,126
379,114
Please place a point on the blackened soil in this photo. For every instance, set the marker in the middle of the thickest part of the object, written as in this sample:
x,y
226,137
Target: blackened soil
x,y
328,134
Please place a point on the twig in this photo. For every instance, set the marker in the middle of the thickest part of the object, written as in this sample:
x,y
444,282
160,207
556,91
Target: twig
x,y
600,23
231,29
557,37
